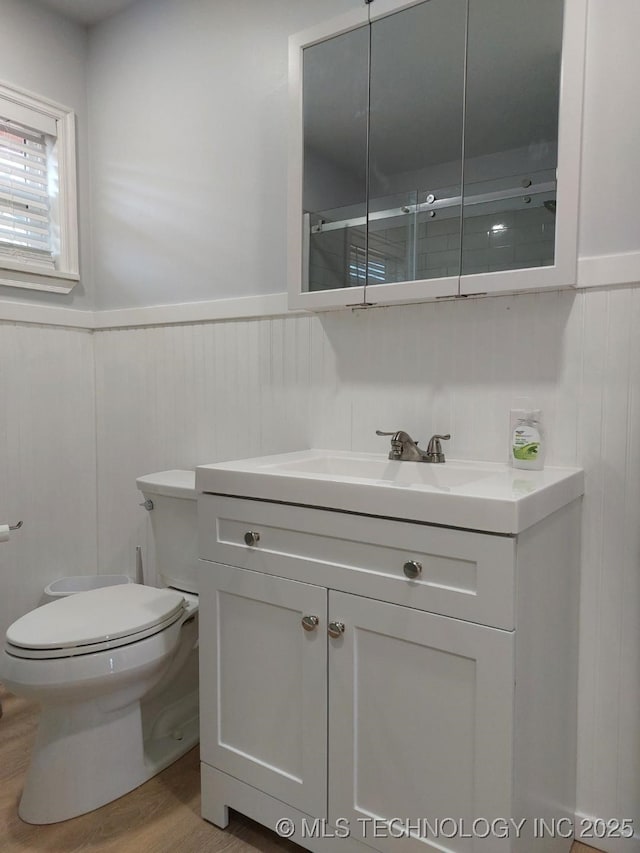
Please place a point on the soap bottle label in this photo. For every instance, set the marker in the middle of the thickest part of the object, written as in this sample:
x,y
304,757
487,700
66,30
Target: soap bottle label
x,y
526,443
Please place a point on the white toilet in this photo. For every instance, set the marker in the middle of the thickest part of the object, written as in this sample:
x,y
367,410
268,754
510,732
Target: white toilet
x,y
62,587
115,670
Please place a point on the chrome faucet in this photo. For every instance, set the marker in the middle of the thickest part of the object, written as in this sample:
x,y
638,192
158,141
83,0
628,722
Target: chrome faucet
x,y
405,449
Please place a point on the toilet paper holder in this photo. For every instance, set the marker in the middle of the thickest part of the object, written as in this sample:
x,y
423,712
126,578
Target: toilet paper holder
x,y
16,526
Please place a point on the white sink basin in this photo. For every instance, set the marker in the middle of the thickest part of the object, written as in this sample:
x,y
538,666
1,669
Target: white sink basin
x,y
363,467
476,495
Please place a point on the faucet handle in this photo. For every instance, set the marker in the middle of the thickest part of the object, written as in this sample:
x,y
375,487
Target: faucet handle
x,y
397,435
401,443
434,448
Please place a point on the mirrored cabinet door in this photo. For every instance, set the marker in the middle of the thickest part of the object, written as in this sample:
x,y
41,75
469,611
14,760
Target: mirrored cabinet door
x,y
334,198
435,151
511,134
522,142
416,113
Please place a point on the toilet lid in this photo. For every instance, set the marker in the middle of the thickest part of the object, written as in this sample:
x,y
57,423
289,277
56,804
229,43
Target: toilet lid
x,y
97,616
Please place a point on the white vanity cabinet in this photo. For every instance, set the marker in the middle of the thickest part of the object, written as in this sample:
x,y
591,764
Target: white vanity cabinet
x,y
446,703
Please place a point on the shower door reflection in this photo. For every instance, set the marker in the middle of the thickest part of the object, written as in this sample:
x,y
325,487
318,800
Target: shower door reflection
x,y
511,134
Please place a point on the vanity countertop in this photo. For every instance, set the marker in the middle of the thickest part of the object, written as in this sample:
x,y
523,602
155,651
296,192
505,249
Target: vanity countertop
x,y
487,496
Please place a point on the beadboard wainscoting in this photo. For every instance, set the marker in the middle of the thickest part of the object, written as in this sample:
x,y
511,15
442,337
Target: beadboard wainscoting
x,y
47,461
176,396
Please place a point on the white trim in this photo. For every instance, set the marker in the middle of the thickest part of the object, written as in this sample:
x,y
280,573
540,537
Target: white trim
x,y
328,29
33,101
34,281
240,308
64,121
46,315
602,270
68,196
32,277
326,300
405,292
384,8
27,110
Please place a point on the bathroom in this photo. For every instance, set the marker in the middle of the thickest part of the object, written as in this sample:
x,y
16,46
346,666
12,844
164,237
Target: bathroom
x,y
176,347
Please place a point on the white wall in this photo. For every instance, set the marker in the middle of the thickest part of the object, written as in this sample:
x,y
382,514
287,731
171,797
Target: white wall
x,y
610,186
176,396
47,403
46,54
47,461
189,127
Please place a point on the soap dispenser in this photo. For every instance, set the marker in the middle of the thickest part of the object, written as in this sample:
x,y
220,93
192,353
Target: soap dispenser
x,y
527,440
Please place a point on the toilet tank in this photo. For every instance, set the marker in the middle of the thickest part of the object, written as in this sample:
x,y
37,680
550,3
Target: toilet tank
x,y
174,524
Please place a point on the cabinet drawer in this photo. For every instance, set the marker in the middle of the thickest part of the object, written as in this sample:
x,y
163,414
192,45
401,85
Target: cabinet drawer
x,y
461,574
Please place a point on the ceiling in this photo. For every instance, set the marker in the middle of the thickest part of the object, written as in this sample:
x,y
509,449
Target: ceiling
x,y
87,11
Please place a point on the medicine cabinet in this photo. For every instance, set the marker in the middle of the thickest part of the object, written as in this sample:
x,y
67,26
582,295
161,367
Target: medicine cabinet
x,y
434,151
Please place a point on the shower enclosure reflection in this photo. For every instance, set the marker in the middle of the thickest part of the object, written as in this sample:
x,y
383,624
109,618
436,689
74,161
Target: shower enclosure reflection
x,y
430,144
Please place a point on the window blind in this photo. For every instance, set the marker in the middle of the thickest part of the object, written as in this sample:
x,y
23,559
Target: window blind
x,y
370,266
25,221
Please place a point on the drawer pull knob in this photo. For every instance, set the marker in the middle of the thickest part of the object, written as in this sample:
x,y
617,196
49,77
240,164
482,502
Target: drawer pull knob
x,y
310,623
336,629
412,569
251,537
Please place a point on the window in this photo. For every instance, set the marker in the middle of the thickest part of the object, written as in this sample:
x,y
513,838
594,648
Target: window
x,y
358,270
38,216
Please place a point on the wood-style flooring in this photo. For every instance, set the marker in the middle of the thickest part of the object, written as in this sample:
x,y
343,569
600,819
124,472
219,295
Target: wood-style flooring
x,y
162,816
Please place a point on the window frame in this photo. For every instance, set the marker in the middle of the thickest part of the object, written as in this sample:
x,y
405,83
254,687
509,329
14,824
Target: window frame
x,y
15,273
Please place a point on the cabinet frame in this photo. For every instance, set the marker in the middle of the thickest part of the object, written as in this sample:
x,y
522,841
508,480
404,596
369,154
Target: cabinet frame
x,y
563,273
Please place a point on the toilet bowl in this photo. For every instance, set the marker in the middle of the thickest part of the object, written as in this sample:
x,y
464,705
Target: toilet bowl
x,y
115,670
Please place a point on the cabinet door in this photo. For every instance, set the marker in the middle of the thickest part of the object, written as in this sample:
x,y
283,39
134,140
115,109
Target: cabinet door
x,y
416,122
420,722
522,144
263,683
328,163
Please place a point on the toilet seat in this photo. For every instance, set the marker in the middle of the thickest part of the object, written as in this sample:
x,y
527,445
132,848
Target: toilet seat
x,y
93,621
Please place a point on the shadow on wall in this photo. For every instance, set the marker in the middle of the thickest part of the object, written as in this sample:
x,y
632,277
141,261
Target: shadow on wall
x,y
451,367
506,340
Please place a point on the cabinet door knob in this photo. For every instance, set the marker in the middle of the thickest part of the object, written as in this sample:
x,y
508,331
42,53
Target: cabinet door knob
x,y
310,623
251,537
412,569
336,629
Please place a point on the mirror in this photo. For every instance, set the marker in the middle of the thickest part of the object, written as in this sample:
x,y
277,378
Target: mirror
x,y
415,142
430,143
334,195
511,134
